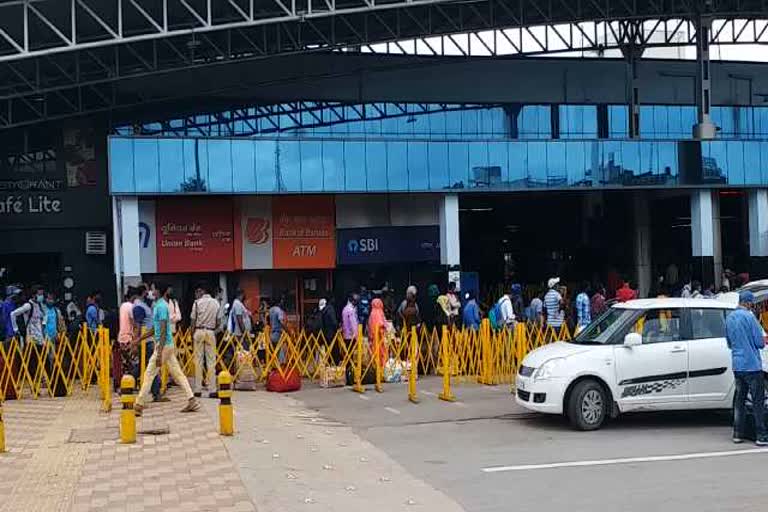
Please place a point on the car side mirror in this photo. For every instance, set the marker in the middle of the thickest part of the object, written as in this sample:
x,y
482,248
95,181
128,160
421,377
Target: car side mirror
x,y
633,339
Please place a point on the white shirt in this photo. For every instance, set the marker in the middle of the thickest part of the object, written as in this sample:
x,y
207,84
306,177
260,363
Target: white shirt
x,y
507,311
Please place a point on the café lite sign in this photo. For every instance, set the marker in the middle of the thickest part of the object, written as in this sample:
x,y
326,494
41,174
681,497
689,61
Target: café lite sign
x,y
29,204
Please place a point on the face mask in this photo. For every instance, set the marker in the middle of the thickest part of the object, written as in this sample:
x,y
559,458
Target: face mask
x,y
40,298
49,303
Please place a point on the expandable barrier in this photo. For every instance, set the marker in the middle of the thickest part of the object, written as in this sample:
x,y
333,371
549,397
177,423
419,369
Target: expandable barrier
x,y
55,367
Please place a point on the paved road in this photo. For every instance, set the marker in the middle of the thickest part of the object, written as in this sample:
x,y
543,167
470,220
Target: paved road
x,y
448,445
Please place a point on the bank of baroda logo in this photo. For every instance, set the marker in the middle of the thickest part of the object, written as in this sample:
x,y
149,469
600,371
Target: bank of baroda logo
x,y
257,230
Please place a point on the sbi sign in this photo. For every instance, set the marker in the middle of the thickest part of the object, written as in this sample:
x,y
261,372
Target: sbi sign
x,y
363,245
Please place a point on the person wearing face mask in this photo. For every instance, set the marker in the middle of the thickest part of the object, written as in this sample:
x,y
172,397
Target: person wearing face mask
x,y
34,317
54,320
93,316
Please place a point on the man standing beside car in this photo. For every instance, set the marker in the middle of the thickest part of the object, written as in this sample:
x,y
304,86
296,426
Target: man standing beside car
x,y
745,339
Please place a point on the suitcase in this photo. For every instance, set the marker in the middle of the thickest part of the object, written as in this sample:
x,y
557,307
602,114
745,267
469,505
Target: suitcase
x,y
368,378
277,383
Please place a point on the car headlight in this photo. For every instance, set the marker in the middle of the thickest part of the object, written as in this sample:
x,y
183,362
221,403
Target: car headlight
x,y
547,370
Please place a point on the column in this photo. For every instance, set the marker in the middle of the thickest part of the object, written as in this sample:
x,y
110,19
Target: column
x,y
758,233
450,249
126,229
705,128
642,246
705,237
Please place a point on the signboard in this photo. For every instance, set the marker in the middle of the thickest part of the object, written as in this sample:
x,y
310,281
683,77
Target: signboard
x,y
194,235
147,237
389,245
304,232
256,232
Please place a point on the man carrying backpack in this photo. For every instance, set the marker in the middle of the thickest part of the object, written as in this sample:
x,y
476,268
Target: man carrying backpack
x,y
503,313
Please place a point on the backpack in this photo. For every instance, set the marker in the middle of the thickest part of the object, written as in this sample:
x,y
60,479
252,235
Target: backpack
x,y
494,316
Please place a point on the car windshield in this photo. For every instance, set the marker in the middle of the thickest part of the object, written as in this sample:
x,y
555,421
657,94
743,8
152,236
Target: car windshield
x,y
601,330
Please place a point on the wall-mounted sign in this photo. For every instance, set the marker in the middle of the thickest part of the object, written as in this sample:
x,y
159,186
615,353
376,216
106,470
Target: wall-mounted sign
x,y
304,232
194,235
388,244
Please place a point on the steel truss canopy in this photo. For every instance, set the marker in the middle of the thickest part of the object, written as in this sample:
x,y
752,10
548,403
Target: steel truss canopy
x,y
61,58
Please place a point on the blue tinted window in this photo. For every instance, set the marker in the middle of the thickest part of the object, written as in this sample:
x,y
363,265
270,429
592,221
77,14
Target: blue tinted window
x,y
753,162
418,166
438,165
575,164
219,165
458,159
397,165
312,174
537,163
578,121
146,165
478,164
618,123
518,164
498,164
171,153
332,164
243,158
267,172
289,165
535,122
354,164
121,165
376,163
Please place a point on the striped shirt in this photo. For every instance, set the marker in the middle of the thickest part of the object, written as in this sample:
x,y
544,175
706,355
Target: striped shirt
x,y
555,315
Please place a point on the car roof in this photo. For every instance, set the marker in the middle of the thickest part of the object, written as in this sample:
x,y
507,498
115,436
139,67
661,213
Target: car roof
x,y
674,302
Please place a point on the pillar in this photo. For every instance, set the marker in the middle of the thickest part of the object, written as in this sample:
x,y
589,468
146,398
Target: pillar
x,y
450,249
758,233
126,229
705,237
704,128
642,242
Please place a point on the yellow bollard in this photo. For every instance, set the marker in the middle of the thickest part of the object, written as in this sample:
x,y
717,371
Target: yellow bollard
x,y
377,360
226,414
446,351
127,415
358,387
413,372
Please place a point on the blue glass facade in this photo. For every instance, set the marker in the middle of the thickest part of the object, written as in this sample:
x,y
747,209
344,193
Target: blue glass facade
x,y
421,148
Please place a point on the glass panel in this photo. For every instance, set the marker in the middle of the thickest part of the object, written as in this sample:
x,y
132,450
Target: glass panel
x,y
437,128
611,170
708,323
469,126
453,124
576,165
333,164
171,154
439,172
376,166
266,170
630,158
219,165
418,166
478,164
735,163
458,165
288,166
353,167
121,165
498,164
557,174
617,121
752,174
537,164
397,165
243,175
714,162
312,166
147,176
518,164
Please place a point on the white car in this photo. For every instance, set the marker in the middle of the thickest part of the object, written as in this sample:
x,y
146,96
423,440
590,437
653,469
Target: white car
x,y
642,355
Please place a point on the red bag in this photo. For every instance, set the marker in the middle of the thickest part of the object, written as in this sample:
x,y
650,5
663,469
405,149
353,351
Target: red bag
x,y
290,381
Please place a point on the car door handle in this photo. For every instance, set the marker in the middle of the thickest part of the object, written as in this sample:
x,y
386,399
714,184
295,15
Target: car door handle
x,y
678,348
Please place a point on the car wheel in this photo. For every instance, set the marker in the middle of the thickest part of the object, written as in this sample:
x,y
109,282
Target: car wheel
x,y
588,405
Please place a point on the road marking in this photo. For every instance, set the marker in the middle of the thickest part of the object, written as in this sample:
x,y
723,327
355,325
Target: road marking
x,y
428,393
363,397
392,410
460,404
631,460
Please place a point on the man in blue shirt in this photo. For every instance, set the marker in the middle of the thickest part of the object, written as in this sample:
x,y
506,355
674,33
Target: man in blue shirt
x,y
745,339
165,352
471,312
11,302
583,313
92,314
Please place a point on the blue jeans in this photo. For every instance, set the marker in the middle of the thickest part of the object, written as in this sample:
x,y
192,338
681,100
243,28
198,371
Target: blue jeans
x,y
137,370
749,383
